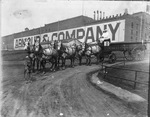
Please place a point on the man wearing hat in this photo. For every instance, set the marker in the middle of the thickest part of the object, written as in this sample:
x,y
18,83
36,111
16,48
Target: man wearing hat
x,y
105,39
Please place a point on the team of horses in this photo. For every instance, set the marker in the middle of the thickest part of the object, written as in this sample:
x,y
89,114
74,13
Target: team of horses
x,y
57,52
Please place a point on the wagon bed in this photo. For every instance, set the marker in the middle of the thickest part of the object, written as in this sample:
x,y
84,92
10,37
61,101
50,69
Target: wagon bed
x,y
131,51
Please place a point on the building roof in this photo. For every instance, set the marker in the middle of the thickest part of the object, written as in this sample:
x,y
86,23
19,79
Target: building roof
x,y
55,26
112,18
69,23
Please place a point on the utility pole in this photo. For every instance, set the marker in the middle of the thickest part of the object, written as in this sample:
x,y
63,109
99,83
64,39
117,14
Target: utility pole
x,y
148,110
149,87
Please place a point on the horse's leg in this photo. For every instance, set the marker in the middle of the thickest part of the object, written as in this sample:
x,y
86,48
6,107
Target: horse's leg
x,y
70,61
80,60
64,63
90,60
98,60
31,61
58,62
73,61
61,62
55,65
42,65
37,62
33,64
86,59
52,61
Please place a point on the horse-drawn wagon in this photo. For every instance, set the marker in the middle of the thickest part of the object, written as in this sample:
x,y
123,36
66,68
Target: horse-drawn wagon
x,y
54,51
130,50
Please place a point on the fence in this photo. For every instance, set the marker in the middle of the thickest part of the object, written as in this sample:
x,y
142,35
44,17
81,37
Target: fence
x,y
135,72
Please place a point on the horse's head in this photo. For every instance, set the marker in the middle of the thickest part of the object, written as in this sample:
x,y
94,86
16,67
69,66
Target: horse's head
x,y
59,44
37,46
82,46
73,46
52,43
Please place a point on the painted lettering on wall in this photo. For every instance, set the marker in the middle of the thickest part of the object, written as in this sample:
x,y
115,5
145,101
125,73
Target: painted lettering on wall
x,y
85,34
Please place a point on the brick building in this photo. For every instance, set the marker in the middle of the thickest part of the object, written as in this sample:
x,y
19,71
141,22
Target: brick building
x,y
122,28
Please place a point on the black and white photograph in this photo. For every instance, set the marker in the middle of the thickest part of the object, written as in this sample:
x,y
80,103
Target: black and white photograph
x,y
75,58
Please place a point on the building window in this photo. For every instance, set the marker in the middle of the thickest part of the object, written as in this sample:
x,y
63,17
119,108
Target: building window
x,y
137,26
131,37
131,32
136,33
132,25
136,38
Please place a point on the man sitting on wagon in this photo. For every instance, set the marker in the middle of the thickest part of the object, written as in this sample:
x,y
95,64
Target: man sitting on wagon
x,y
105,38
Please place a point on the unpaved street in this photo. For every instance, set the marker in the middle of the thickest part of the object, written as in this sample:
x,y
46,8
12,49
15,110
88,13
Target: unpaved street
x,y
66,93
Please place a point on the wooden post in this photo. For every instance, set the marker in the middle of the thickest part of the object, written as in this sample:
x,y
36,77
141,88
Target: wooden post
x,y
124,61
105,72
149,89
135,79
102,65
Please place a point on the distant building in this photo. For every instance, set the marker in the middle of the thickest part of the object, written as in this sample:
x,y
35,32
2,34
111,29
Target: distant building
x,y
144,24
122,28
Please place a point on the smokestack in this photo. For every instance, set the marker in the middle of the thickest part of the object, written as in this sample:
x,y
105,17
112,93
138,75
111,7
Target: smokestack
x,y
94,16
126,11
97,15
103,15
26,29
100,14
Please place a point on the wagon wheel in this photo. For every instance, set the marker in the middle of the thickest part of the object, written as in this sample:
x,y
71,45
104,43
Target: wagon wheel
x,y
128,55
112,58
138,54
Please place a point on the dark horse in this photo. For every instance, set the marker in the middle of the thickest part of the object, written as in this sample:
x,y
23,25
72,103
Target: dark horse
x,y
38,52
50,54
67,51
92,49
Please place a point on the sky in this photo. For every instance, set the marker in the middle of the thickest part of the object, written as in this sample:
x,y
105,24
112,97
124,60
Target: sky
x,y
16,15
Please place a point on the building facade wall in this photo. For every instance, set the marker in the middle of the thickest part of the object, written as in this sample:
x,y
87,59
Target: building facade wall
x,y
133,31
7,42
145,25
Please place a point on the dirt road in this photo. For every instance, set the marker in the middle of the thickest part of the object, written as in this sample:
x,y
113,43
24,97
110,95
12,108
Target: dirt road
x,y
65,93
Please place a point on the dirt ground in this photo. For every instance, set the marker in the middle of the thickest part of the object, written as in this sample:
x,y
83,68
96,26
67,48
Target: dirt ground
x,y
65,93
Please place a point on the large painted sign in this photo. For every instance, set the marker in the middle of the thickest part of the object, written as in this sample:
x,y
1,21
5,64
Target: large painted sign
x,y
85,34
